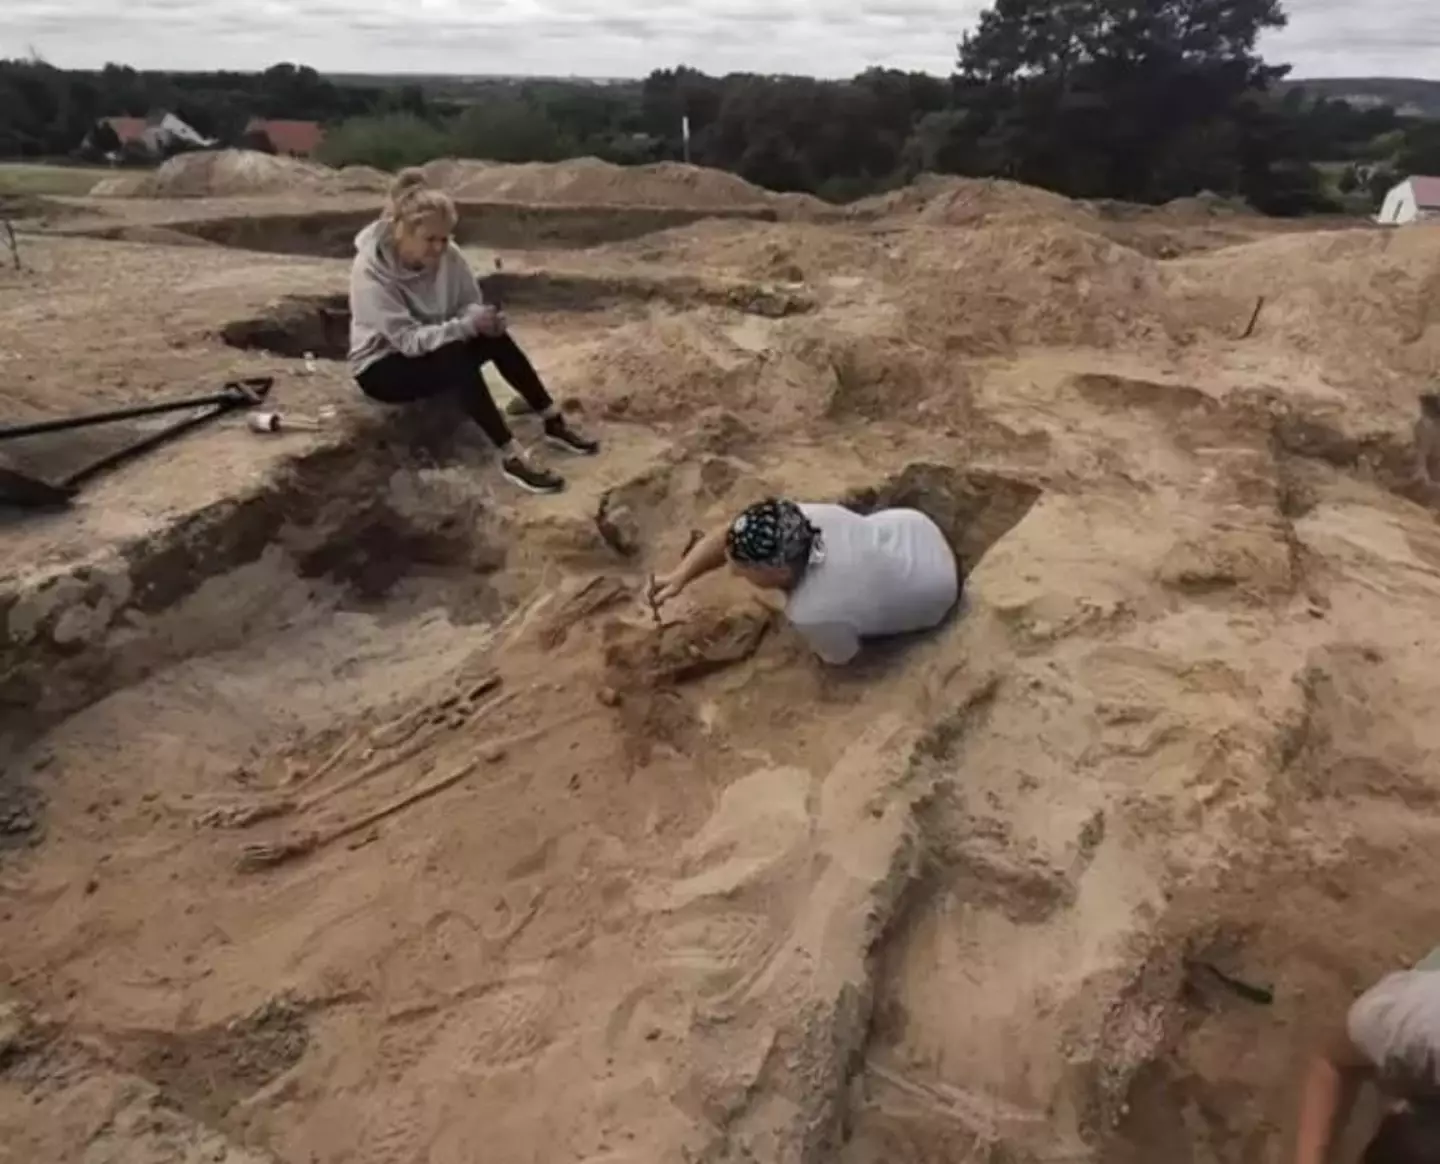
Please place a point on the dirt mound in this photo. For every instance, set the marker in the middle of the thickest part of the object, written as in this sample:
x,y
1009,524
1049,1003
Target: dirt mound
x,y
1364,304
453,173
225,173
937,200
351,179
1185,226
795,252
1045,282
590,181
1208,204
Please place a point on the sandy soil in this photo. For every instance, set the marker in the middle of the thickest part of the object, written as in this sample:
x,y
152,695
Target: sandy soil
x,y
354,809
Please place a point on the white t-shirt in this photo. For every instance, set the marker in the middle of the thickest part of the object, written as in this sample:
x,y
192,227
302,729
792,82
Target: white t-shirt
x,y
1396,1023
883,574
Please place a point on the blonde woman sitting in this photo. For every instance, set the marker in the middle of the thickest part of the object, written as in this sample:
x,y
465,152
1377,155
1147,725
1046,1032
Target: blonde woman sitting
x,y
419,328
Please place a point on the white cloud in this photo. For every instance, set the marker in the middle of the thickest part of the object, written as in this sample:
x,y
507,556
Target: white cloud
x,y
622,37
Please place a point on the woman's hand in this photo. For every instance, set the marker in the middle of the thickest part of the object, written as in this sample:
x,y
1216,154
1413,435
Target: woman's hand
x,y
485,319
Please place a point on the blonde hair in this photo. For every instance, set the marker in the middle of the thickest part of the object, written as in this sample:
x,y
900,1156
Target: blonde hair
x,y
413,202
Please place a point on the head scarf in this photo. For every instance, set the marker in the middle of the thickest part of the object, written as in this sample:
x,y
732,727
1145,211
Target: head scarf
x,y
773,533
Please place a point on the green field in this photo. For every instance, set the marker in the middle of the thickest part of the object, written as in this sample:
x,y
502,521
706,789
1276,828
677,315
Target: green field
x,y
28,178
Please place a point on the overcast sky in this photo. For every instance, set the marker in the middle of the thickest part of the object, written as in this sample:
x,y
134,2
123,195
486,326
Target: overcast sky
x,y
618,38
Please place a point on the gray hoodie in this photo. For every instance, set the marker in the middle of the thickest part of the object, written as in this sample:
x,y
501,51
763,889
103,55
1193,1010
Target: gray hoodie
x,y
396,309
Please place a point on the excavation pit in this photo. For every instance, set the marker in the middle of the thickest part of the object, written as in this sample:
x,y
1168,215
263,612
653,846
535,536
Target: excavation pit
x,y
974,509
320,325
500,225
360,522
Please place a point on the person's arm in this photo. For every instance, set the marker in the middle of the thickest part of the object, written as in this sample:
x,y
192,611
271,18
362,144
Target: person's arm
x,y
1330,1087
380,308
705,556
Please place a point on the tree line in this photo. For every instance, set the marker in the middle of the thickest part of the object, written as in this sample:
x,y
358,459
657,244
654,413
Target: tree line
x,y
1093,98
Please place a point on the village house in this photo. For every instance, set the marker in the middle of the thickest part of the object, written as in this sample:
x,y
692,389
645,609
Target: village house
x,y
296,139
155,136
1417,199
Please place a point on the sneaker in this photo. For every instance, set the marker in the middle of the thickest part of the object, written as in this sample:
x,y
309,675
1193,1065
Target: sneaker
x,y
531,477
559,433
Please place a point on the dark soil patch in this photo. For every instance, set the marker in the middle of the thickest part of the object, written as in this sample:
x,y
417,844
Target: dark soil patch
x,y
207,1072
974,509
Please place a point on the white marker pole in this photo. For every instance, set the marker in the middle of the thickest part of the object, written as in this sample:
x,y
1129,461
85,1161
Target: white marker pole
x,y
685,135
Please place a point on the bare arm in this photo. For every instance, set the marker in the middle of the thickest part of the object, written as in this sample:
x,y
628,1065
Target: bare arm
x,y
705,556
1330,1087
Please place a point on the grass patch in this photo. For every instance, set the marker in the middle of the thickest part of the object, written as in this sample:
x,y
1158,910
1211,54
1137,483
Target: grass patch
x,y
38,178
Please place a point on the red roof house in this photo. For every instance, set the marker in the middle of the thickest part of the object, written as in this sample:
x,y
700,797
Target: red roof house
x,y
1427,192
299,139
127,129
1417,199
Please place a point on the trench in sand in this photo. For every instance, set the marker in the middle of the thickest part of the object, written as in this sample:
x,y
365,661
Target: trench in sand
x,y
320,324
616,895
507,226
632,886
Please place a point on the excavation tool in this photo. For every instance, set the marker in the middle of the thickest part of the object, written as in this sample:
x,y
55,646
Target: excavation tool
x,y
29,491
272,422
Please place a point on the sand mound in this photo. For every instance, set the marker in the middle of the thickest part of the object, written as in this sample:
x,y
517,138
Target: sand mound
x,y
1045,283
453,173
784,253
227,173
590,181
1365,303
1208,204
938,200
361,178
1185,226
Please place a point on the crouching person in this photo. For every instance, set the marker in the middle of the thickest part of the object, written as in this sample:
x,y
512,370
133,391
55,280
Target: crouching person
x,y
1390,1037
846,577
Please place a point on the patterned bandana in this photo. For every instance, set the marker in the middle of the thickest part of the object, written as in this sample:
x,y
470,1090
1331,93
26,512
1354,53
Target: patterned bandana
x,y
773,533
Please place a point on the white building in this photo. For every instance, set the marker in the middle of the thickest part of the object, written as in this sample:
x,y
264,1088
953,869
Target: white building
x,y
169,129
1415,200
153,135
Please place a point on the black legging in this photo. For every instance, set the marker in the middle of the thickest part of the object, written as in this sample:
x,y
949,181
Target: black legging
x,y
397,379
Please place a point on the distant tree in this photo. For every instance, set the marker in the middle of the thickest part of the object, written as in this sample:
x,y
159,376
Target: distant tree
x,y
508,131
1019,40
1419,151
1107,98
104,139
1382,180
1094,98
389,142
668,95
